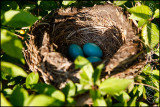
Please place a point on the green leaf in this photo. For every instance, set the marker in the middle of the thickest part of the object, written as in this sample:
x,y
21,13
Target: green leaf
x,y
109,100
14,18
156,95
43,88
86,76
122,96
86,71
156,13
12,70
97,74
70,101
118,3
7,92
114,85
138,90
11,45
132,102
156,51
4,101
133,16
43,100
50,91
155,77
11,5
95,94
18,96
47,5
79,88
156,73
141,12
142,104
99,102
31,79
150,34
70,89
80,62
66,3
147,69
29,7
142,22
144,94
28,100
130,87
59,96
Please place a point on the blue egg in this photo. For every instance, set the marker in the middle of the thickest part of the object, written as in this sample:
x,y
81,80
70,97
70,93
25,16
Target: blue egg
x,y
93,59
91,49
74,51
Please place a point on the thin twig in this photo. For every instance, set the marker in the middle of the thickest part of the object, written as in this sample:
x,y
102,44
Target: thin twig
x,y
19,36
147,86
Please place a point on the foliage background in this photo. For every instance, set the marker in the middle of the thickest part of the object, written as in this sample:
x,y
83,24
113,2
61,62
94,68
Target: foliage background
x,y
21,89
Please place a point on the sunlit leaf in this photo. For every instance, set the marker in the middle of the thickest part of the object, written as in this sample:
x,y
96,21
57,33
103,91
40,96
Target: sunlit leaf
x,y
4,101
31,79
132,102
140,12
80,62
140,89
118,3
130,87
156,13
156,95
18,96
68,2
86,71
69,89
28,100
114,85
150,34
43,100
147,69
11,45
7,91
86,75
142,22
79,88
133,16
15,18
50,91
122,96
12,70
142,104
97,73
99,102
70,101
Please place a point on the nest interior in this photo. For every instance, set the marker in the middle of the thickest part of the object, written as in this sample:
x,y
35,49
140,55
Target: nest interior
x,y
105,25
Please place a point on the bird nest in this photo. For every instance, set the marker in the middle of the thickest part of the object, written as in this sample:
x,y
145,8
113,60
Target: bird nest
x,y
105,25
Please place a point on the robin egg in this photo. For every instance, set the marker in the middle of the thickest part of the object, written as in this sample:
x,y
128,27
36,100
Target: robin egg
x,y
93,59
74,51
91,49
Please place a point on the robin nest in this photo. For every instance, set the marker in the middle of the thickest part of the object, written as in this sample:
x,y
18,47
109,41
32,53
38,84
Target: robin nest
x,y
105,25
